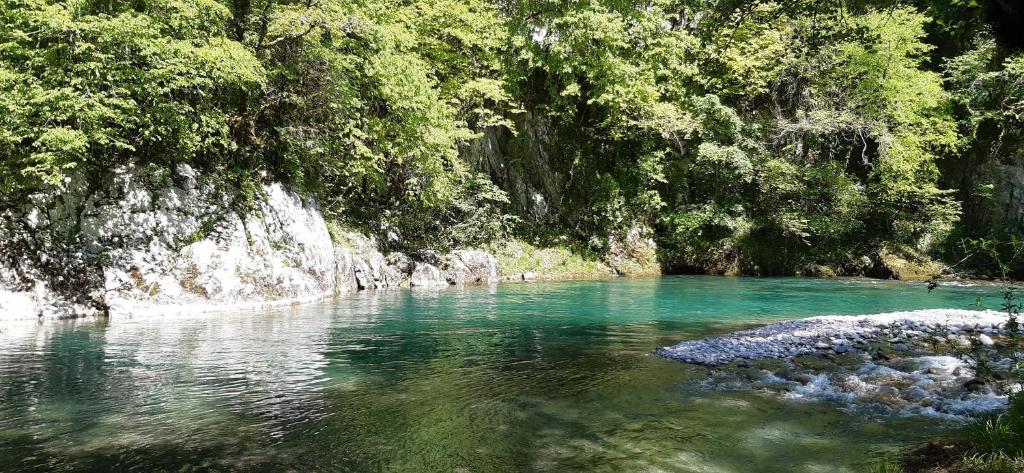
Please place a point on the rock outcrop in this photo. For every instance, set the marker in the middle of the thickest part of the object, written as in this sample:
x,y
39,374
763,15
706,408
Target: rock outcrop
x,y
527,164
427,275
471,267
633,252
140,245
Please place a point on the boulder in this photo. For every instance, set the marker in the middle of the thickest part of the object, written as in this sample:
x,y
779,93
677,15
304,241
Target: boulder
x,y
402,263
345,270
427,275
372,269
428,256
471,267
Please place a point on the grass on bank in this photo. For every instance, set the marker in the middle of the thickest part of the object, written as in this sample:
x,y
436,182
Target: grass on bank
x,y
990,445
516,257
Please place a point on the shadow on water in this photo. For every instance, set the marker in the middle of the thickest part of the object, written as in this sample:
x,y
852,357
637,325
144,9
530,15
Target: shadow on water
x,y
529,377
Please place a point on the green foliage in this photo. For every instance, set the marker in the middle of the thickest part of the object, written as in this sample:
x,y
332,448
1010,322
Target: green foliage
x,y
1002,434
102,84
885,467
997,443
807,127
991,463
516,258
768,137
989,95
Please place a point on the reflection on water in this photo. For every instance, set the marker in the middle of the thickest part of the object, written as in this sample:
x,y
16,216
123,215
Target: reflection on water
x,y
523,377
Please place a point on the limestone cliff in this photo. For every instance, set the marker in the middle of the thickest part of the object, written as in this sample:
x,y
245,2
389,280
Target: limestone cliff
x,y
130,245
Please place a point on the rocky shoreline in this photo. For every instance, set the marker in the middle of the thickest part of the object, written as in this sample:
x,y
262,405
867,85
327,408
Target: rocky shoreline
x,y
839,335
137,247
902,363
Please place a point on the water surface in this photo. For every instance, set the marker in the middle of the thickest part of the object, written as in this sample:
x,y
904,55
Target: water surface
x,y
519,377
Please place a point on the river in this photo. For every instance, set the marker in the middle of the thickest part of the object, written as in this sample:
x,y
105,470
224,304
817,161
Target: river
x,y
551,376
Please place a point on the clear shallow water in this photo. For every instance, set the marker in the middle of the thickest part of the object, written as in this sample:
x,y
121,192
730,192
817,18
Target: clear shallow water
x,y
519,377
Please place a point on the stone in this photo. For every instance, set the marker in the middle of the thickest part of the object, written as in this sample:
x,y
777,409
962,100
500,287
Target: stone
x,y
186,175
427,275
974,385
916,393
803,378
179,246
1005,363
801,337
429,257
402,263
986,340
888,391
471,267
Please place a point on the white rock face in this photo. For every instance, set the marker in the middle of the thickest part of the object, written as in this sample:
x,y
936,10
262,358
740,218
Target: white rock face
x,y
471,267
132,246
427,275
634,252
282,252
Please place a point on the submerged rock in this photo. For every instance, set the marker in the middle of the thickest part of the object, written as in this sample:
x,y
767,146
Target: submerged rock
x,y
919,386
908,383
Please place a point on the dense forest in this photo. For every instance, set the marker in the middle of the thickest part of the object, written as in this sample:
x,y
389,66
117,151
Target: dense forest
x,y
763,137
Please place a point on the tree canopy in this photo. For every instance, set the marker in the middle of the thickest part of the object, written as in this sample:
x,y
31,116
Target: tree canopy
x,y
770,134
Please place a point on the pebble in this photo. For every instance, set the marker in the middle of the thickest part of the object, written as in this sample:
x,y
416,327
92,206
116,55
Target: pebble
x,y
827,334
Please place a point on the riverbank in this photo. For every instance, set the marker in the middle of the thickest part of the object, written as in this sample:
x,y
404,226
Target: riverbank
x,y
839,335
185,242
903,363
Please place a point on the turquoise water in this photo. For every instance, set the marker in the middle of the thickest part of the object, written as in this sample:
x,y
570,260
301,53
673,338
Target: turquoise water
x,y
520,377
